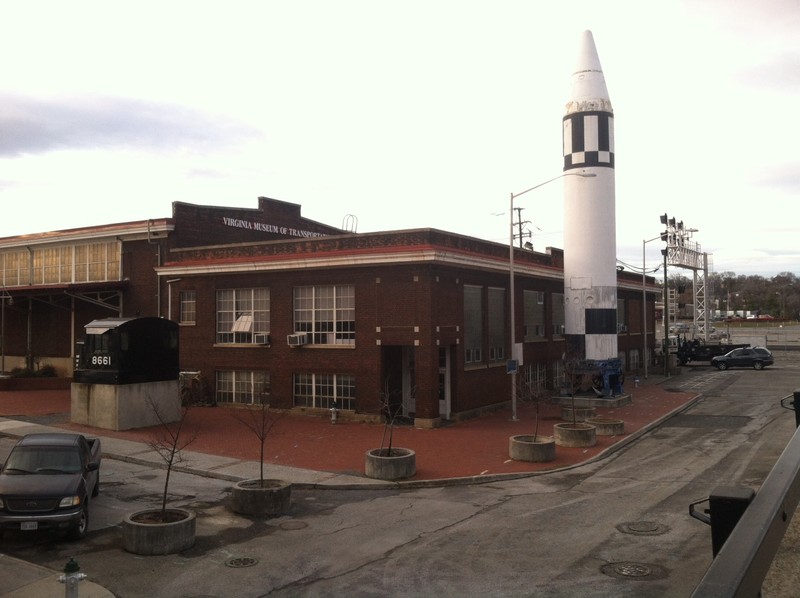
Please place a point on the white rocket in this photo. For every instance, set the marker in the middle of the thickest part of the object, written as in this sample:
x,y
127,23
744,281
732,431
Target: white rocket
x,y
590,259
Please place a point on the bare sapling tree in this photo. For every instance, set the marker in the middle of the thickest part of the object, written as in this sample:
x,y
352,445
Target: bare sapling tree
x,y
259,420
391,408
573,372
170,439
533,391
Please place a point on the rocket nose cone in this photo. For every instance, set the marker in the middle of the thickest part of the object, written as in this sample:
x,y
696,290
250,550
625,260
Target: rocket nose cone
x,y
587,55
588,81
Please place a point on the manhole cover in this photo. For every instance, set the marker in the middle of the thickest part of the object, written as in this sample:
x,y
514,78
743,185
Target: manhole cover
x,y
292,525
241,561
643,528
633,570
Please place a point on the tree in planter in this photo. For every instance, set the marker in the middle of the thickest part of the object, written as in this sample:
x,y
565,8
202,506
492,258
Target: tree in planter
x,y
391,408
534,448
168,443
575,434
389,462
533,392
260,421
573,368
261,496
163,531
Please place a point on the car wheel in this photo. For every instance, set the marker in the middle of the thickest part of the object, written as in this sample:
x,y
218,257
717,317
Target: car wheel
x,y
758,365
722,365
78,532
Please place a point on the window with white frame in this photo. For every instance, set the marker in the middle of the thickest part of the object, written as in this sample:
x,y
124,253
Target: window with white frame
x,y
90,262
97,261
536,375
559,318
247,387
559,374
321,390
326,313
243,316
497,324
533,311
188,307
622,322
635,359
473,324
15,267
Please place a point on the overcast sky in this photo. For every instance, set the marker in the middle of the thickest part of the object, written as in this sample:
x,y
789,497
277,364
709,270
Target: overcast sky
x,y
405,114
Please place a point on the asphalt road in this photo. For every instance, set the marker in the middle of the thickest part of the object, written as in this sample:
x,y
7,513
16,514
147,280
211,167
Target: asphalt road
x,y
619,527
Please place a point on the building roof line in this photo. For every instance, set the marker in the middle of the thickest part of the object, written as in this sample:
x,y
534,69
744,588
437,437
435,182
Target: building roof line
x,y
353,258
141,228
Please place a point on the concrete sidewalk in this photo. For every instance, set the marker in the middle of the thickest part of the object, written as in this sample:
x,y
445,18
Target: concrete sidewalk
x,y
19,579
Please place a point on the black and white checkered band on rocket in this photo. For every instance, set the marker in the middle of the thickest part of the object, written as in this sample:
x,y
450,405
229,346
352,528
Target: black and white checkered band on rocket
x,y
588,140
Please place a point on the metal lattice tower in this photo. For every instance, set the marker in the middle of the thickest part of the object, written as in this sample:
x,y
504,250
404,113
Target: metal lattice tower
x,y
685,253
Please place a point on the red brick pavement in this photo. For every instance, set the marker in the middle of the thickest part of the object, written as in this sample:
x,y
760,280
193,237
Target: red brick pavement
x,y
474,447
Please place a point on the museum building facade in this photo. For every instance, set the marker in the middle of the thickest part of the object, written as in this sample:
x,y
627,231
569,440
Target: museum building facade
x,y
272,304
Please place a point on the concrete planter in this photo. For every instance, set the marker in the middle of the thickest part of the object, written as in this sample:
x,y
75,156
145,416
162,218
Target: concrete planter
x,y
607,426
401,464
252,497
524,448
143,533
575,435
581,413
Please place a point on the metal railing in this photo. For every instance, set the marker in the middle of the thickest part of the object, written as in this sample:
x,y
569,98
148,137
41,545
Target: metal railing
x,y
746,556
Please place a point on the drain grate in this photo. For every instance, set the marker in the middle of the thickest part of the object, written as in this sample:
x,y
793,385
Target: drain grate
x,y
634,570
241,561
643,528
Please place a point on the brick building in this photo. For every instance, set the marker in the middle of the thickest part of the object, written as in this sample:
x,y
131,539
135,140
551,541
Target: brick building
x,y
271,302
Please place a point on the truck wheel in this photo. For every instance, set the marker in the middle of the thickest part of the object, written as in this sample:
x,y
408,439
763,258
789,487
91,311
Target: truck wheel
x,y
78,532
758,365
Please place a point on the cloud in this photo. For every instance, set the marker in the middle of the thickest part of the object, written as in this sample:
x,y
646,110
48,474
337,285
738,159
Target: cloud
x,y
783,177
35,125
780,72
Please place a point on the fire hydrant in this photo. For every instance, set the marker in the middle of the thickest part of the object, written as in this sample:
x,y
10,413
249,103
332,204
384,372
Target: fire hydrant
x,y
334,412
71,578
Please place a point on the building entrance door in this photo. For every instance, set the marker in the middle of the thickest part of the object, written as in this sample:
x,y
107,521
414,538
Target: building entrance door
x,y
399,380
409,382
444,382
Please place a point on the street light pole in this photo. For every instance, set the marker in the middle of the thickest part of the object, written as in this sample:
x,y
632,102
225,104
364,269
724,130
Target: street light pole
x,y
666,316
644,304
3,296
514,362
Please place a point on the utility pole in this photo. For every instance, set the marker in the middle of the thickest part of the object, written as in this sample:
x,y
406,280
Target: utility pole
x,y
520,223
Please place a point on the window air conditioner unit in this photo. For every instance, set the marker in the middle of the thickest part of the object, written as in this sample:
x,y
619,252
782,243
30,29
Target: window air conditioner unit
x,y
297,340
261,338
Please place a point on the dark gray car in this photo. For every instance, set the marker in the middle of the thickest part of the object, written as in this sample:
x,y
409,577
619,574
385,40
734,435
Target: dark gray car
x,y
750,357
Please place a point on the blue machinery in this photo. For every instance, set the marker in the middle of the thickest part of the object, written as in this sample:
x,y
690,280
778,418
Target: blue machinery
x,y
606,376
